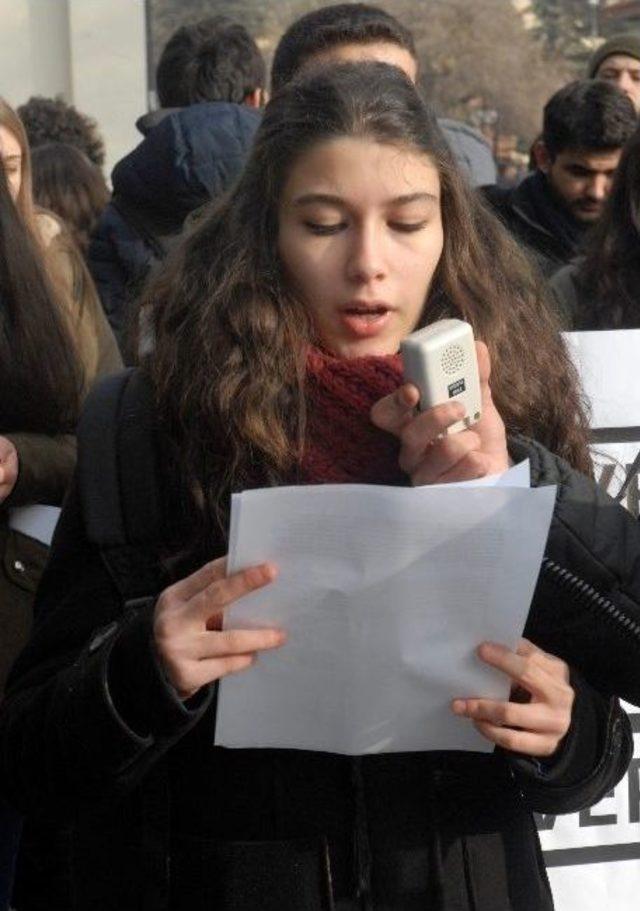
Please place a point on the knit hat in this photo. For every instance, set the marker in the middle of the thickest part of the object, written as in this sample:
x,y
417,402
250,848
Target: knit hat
x,y
629,45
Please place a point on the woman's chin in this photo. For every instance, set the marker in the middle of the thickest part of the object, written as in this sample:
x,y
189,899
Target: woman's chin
x,y
362,347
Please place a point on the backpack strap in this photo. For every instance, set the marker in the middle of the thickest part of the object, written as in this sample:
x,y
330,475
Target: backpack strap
x,y
118,480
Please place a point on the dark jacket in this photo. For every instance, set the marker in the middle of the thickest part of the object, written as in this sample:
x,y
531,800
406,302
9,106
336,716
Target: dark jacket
x,y
92,731
187,157
538,221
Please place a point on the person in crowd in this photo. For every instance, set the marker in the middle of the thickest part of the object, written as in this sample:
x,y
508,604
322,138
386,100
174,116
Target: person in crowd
x,y
278,321
57,343
63,260
210,81
601,290
585,127
53,120
40,380
358,31
618,61
68,184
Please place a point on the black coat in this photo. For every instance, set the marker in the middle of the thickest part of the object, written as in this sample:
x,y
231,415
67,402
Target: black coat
x,y
545,229
188,156
91,732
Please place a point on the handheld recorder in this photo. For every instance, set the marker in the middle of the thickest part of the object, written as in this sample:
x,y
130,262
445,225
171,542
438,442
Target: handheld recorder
x,y
441,361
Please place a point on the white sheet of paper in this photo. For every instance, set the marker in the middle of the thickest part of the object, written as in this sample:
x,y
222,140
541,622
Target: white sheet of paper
x,y
385,593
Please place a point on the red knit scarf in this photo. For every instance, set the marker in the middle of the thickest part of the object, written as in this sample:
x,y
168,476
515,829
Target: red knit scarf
x,y
342,445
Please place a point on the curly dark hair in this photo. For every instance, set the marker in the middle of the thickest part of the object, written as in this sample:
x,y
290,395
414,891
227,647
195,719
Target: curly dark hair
x,y
231,334
53,120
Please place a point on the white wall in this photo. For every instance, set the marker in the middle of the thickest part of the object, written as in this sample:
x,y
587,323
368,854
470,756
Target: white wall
x,y
92,52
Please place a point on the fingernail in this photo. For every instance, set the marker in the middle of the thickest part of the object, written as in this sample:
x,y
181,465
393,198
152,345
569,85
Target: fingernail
x,y
458,706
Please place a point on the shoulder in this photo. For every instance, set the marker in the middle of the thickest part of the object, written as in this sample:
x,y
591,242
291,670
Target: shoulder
x,y
566,289
48,226
471,150
587,522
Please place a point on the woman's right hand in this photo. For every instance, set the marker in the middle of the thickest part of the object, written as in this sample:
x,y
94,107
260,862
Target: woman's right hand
x,y
187,626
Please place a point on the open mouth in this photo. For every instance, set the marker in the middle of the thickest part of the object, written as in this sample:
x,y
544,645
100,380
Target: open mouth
x,y
364,320
369,314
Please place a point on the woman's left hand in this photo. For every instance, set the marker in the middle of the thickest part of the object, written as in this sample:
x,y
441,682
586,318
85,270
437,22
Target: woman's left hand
x,y
430,456
535,726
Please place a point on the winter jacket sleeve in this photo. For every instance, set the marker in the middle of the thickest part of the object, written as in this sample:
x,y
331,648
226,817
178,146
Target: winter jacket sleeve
x,y
87,708
591,759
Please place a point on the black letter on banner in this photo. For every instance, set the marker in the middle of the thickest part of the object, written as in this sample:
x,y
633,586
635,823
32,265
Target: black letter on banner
x,y
606,477
586,819
634,791
544,823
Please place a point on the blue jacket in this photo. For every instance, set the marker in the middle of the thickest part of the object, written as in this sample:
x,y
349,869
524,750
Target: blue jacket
x,y
187,157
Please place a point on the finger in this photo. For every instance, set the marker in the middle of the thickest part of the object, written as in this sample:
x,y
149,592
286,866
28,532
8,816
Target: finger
x,y
424,430
198,581
534,717
201,673
484,362
542,745
238,642
484,375
555,666
529,672
440,458
209,604
394,411
473,466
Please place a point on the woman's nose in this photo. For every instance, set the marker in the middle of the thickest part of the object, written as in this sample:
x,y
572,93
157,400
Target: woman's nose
x,y
367,258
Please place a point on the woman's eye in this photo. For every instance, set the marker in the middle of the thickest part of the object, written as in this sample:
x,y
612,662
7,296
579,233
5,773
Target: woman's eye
x,y
407,227
324,229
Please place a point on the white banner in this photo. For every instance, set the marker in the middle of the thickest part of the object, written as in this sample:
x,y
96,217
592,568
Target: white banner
x,y
593,857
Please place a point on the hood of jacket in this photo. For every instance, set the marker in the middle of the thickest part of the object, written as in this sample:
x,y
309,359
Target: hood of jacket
x,y
191,155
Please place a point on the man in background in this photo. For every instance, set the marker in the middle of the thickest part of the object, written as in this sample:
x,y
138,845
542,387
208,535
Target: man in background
x,y
357,31
618,61
210,81
585,126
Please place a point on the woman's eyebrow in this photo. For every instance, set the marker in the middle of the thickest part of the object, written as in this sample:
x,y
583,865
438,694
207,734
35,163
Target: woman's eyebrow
x,y
328,199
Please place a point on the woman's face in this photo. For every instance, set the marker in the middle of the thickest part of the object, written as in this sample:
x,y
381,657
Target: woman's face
x,y
360,237
11,157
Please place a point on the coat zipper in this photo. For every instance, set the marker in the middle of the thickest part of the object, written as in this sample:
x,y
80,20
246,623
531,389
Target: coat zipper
x,y
590,596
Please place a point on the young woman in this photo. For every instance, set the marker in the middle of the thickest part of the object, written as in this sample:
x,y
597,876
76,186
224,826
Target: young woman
x,y
277,327
62,260
54,343
71,186
602,289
